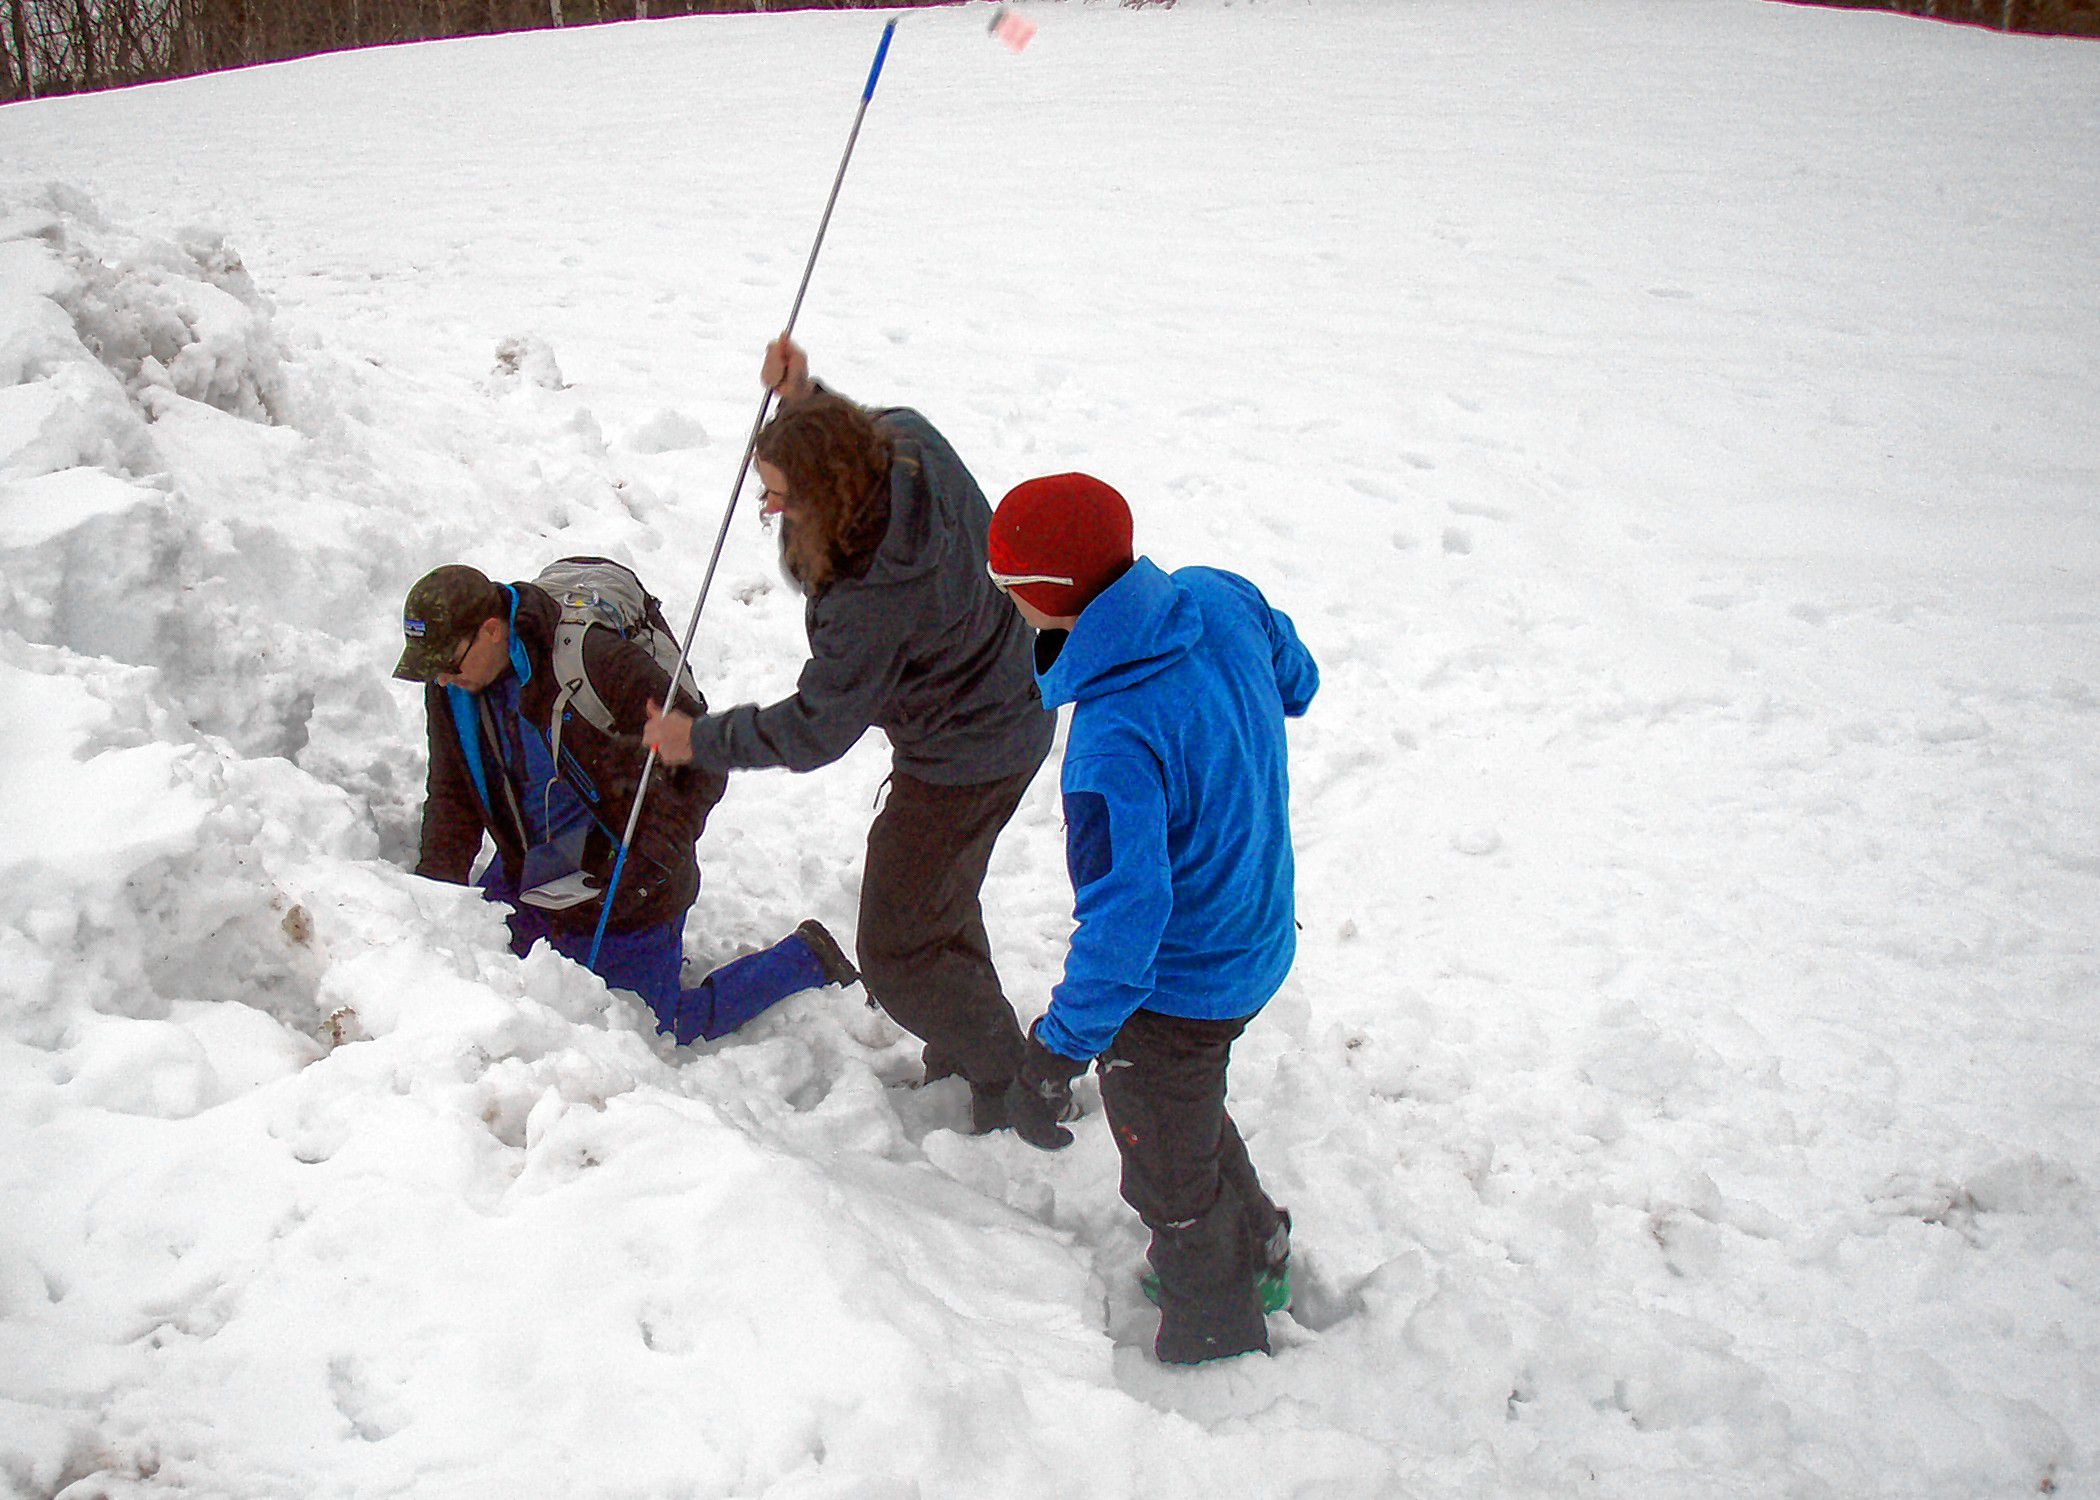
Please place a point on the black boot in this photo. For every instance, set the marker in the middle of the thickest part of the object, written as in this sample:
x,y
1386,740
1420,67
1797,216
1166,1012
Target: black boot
x,y
988,1107
937,1065
1210,1293
838,969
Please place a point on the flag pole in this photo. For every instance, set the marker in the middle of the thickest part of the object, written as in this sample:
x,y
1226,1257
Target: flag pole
x,y
743,470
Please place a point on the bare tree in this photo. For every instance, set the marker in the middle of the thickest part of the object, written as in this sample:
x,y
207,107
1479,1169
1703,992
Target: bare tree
x,y
21,77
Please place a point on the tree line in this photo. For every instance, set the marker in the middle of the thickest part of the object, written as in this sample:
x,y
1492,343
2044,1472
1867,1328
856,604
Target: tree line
x,y
2048,17
67,46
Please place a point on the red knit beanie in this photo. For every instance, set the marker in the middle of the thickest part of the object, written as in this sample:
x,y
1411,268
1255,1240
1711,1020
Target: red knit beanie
x,y
1063,526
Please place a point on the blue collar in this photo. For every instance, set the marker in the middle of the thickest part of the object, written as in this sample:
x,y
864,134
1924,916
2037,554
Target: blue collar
x,y
520,662
466,710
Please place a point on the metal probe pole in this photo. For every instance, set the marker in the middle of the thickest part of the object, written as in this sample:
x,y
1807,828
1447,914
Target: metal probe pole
x,y
743,469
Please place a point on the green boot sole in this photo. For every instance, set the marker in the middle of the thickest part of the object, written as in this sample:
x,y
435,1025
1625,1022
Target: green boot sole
x,y
1273,1286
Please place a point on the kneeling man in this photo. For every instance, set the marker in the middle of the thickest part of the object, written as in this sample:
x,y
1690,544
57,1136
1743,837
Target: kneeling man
x,y
509,758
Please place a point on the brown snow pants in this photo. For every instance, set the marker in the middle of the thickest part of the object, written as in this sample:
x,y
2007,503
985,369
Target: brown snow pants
x,y
1187,1173
923,951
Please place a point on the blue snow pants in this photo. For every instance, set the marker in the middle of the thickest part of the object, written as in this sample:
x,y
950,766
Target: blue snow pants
x,y
647,962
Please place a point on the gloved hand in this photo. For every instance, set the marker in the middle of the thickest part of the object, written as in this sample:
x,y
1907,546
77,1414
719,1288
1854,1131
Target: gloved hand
x,y
1042,1095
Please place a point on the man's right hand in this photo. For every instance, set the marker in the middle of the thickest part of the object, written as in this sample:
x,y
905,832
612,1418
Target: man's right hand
x,y
786,370
669,734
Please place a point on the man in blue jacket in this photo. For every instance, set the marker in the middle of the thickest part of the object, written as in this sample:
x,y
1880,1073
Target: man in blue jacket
x,y
1178,838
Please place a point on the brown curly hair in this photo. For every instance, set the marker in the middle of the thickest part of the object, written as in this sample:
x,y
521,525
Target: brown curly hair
x,y
837,465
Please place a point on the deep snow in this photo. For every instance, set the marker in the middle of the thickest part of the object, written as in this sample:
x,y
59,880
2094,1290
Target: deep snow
x,y
1672,427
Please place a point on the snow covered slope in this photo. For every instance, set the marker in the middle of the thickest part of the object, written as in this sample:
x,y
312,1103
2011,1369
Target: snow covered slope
x,y
1671,425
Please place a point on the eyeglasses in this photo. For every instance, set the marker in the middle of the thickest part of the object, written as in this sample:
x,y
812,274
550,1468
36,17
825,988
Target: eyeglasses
x,y
459,657
1005,581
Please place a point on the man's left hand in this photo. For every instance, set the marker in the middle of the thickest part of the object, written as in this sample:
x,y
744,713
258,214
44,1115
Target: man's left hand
x,y
670,734
1042,1096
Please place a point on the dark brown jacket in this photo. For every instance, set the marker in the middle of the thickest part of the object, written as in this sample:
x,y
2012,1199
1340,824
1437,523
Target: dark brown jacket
x,y
662,875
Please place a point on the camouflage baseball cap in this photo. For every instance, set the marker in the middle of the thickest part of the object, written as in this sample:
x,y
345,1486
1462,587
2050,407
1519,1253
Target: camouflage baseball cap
x,y
444,606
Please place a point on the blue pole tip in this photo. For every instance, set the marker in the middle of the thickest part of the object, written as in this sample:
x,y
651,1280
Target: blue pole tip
x,y
882,50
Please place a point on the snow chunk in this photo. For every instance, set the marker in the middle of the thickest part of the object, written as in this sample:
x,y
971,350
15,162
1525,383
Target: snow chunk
x,y
35,511
530,360
64,812
74,416
666,430
182,316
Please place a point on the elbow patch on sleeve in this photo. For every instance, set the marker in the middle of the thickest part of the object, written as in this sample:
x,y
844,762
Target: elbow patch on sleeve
x,y
1088,852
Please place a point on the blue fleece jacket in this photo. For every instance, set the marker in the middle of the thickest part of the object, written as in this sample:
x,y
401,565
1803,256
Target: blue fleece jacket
x,y
1177,815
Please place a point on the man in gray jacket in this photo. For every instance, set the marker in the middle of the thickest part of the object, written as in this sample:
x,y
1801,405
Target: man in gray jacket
x,y
883,529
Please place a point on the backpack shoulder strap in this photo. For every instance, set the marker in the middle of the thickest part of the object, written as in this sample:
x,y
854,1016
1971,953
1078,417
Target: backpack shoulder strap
x,y
573,683
593,591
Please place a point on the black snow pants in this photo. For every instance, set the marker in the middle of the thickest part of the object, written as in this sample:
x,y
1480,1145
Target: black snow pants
x,y
1186,1172
924,955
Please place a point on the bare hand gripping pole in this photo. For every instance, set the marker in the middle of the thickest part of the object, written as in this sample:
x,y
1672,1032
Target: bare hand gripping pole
x,y
743,470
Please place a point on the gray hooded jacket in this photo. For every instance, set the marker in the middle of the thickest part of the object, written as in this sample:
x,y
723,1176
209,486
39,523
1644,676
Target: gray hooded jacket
x,y
922,646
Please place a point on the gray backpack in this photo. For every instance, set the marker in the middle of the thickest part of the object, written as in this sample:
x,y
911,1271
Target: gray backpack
x,y
598,591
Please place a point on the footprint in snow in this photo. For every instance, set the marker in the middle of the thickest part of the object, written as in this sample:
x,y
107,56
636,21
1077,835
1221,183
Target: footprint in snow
x,y
370,1417
1216,411
1318,1303
1479,509
1954,729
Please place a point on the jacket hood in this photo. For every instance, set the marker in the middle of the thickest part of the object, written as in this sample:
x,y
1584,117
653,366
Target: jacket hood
x,y
533,616
922,517
1139,626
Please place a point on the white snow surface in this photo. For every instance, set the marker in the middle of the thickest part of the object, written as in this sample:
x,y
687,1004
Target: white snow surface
x,y
1672,425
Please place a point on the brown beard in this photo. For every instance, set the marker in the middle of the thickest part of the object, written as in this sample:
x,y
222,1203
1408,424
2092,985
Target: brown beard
x,y
804,562
813,561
